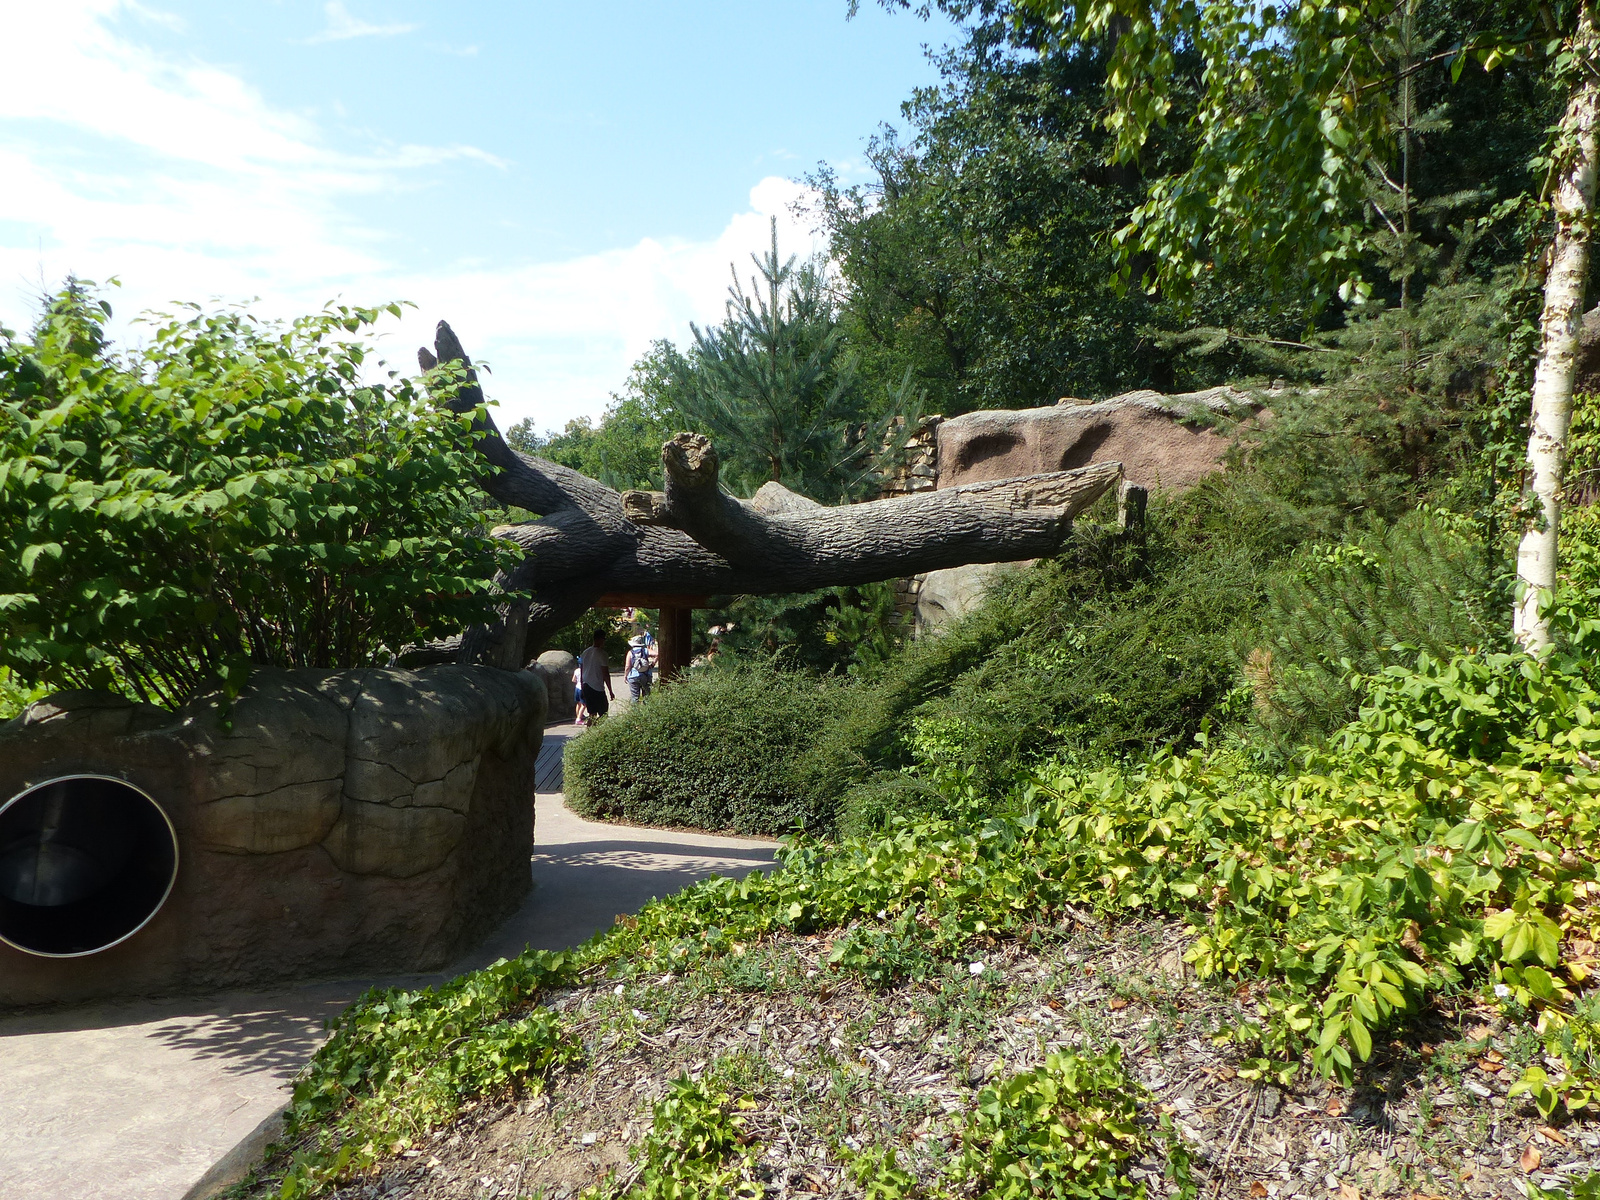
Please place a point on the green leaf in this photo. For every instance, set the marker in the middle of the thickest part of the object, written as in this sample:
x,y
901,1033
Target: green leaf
x,y
1361,1039
31,555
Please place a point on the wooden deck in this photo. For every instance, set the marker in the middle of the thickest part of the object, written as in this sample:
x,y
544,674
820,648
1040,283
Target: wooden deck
x,y
547,768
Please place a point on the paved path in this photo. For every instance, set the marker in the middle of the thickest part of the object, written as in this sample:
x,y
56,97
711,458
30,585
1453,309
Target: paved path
x,y
138,1101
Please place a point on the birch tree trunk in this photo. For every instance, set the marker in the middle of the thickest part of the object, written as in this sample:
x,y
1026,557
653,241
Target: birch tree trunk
x,y
1559,326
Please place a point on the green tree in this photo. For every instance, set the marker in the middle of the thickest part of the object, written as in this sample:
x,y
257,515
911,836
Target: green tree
x,y
1302,107
980,258
237,492
624,449
776,387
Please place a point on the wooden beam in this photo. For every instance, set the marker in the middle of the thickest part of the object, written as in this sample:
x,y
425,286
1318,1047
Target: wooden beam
x,y
650,600
671,651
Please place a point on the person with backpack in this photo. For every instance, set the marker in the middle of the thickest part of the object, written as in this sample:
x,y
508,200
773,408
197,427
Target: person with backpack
x,y
641,667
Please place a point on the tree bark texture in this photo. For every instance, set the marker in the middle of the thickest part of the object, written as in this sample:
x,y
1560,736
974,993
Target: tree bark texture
x,y
696,540
1559,328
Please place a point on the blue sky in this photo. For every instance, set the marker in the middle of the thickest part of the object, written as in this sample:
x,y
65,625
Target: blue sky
x,y
564,183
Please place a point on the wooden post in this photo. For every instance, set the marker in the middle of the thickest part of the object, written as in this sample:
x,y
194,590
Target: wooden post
x,y
677,646
685,638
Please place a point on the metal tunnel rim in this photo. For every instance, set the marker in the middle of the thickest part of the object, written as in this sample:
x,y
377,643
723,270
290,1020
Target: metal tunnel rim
x,y
172,878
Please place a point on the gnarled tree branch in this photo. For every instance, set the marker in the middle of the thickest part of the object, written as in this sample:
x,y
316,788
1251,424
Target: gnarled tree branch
x,y
696,540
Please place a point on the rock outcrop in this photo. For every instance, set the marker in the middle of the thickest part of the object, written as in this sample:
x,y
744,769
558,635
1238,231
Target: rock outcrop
x,y
555,667
328,823
1157,439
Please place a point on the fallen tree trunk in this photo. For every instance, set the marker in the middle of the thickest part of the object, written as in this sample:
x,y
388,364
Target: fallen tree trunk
x,y
696,540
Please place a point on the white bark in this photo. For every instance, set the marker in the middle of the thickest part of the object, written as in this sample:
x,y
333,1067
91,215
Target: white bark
x,y
1559,327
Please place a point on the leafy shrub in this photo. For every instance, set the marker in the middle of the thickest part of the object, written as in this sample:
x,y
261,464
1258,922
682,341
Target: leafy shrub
x,y
1585,1188
1398,408
1386,870
875,802
697,1148
712,749
1347,893
843,630
1111,650
14,697
400,1063
1359,606
1069,1128
232,492
1478,706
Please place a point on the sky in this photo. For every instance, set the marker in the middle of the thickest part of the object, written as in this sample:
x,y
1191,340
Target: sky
x,y
563,183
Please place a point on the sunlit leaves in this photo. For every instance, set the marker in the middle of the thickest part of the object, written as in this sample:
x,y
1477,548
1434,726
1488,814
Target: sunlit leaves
x,y
230,492
1299,102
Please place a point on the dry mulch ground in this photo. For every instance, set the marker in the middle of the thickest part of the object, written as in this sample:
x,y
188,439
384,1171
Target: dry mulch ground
x,y
832,1065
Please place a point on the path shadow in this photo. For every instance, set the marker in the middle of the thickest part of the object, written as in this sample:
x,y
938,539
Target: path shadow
x,y
276,1041
580,888
273,1032
655,858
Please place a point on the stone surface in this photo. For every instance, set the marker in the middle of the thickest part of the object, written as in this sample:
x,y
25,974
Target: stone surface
x,y
945,595
334,821
135,1101
556,668
1145,431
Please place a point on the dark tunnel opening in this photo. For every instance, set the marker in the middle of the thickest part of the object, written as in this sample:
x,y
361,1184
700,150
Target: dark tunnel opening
x,y
85,862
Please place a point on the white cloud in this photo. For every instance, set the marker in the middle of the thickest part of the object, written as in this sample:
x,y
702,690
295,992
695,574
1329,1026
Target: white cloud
x,y
561,336
342,26
183,181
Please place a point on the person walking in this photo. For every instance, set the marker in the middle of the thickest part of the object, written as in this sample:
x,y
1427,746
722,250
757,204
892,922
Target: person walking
x,y
582,716
595,676
641,666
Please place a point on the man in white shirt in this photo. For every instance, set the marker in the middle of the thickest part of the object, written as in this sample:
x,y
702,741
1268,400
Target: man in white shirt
x,y
595,677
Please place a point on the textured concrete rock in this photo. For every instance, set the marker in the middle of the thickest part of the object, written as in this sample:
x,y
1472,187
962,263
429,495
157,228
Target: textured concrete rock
x,y
1146,432
335,822
556,668
286,818
376,839
946,595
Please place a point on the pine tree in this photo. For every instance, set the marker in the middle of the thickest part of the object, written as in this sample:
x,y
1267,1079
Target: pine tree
x,y
776,387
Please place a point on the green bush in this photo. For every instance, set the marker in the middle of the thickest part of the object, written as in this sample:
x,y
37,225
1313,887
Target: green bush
x,y
1116,647
1425,584
1069,1129
1387,870
713,749
234,492
399,1062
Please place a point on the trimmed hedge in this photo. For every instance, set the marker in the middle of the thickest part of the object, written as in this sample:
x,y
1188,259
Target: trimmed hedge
x,y
711,750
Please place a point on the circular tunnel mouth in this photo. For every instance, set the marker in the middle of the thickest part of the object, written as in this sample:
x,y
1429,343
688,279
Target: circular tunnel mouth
x,y
85,862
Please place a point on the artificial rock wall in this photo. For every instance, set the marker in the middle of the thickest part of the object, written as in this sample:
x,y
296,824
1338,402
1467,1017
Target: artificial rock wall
x,y
329,823
1155,437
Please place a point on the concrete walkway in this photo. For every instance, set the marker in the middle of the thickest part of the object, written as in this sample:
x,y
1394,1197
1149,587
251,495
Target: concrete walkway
x,y
138,1101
